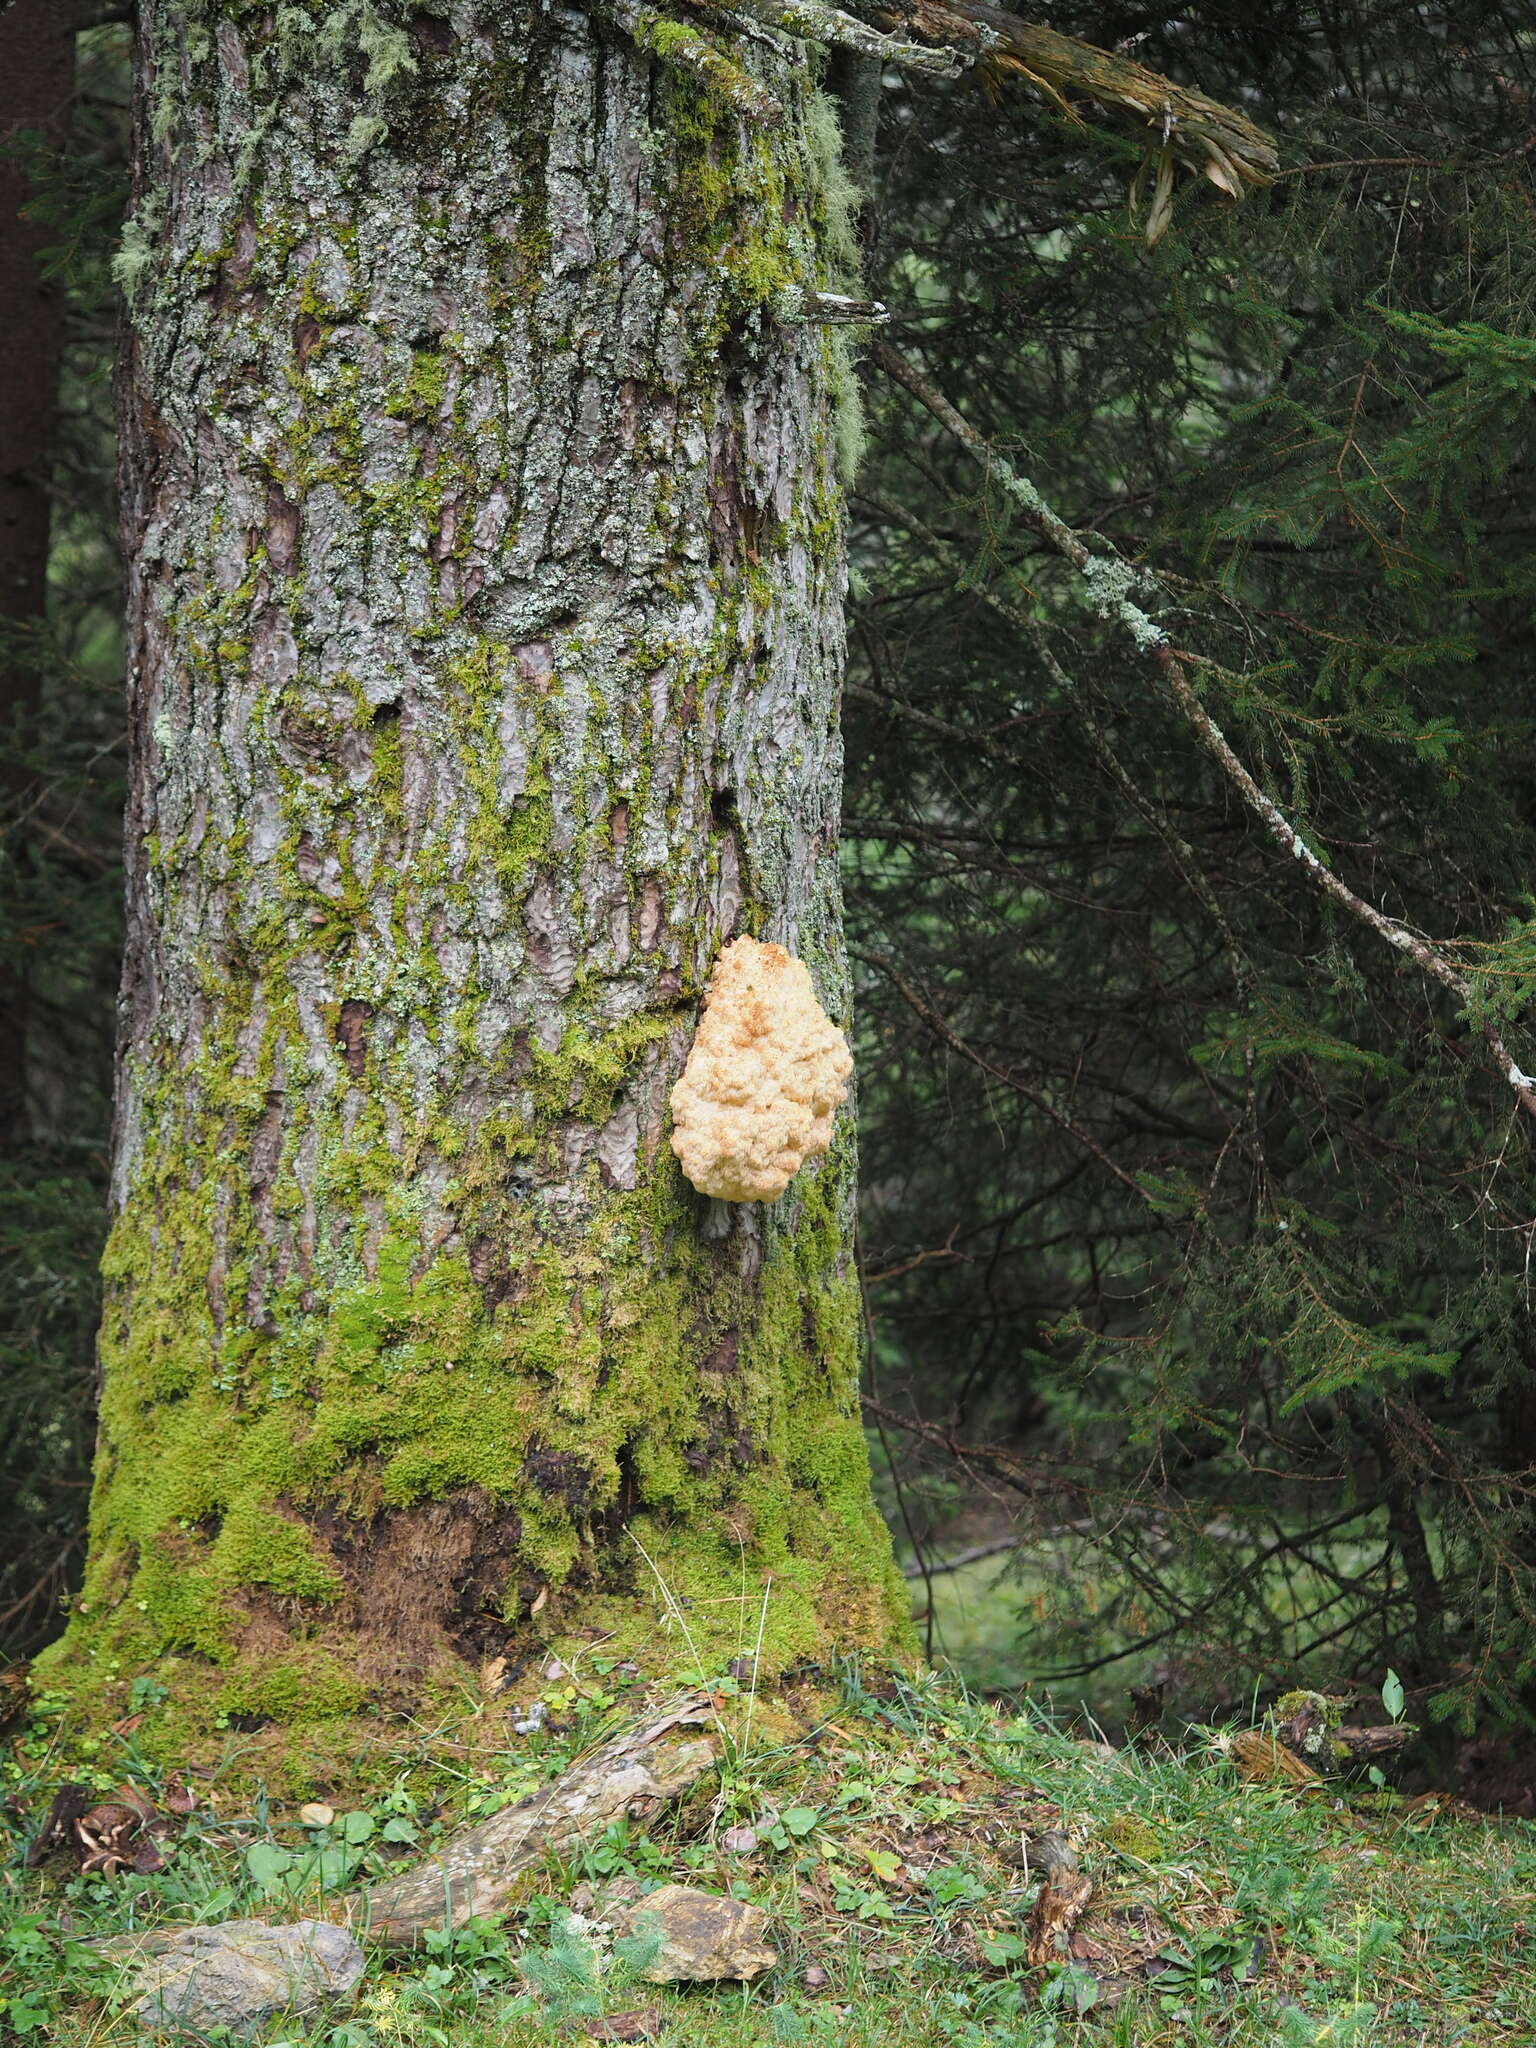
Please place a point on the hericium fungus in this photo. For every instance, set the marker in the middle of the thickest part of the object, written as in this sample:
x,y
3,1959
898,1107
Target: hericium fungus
x,y
766,1074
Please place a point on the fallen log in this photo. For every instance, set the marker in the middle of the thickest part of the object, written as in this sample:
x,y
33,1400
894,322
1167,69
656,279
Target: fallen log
x,y
477,1871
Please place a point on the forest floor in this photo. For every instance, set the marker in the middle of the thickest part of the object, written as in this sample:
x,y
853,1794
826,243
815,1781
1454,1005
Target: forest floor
x,y
885,1825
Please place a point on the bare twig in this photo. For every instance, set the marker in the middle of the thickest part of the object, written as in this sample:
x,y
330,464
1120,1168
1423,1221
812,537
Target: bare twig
x,y
974,1555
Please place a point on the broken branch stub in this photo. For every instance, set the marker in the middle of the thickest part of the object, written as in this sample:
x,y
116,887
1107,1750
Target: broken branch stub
x,y
476,1872
1219,142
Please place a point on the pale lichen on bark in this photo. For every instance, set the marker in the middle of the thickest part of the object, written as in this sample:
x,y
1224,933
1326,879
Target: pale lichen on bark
x,y
486,578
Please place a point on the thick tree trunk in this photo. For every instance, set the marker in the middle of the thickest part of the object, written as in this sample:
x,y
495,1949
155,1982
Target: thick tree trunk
x,y
37,64
485,638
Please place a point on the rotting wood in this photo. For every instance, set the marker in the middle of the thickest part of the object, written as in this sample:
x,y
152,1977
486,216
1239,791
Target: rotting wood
x,y
1261,1758
475,1873
1063,1898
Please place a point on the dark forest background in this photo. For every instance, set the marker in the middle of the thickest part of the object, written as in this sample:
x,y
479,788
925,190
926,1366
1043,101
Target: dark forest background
x,y
1198,1219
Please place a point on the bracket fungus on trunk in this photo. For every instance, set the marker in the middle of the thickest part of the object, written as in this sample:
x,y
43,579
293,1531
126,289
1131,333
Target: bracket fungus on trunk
x,y
766,1075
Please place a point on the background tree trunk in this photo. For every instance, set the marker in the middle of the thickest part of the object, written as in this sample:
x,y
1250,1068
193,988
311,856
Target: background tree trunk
x,y
37,62
485,638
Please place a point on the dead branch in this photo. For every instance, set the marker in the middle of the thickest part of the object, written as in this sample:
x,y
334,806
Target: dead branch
x,y
1181,126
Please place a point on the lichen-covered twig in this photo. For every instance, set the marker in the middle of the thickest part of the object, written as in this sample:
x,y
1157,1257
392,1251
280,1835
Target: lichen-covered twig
x,y
1180,852
1417,948
693,49
1109,583
818,23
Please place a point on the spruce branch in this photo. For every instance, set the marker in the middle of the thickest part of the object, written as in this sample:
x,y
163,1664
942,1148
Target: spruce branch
x,y
940,1028
1108,586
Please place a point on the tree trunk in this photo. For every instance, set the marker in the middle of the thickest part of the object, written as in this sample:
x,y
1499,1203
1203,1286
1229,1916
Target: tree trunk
x,y
37,62
486,567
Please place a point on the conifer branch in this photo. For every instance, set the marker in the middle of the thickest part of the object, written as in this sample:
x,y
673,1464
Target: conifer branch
x,y
946,1034
1109,582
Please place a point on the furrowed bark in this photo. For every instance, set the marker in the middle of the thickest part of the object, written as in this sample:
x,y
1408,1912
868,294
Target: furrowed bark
x,y
486,569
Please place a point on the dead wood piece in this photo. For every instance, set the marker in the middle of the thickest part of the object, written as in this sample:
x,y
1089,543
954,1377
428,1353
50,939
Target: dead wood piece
x,y
106,1837
1312,1731
476,1872
1050,1856
639,2025
1365,1745
1062,1902
58,1830
1220,143
1261,1758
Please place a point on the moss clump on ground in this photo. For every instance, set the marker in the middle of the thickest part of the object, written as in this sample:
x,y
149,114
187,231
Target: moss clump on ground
x,y
886,1818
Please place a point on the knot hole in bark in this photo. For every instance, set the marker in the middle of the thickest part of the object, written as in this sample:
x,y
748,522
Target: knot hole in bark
x,y
735,880
352,1035
282,533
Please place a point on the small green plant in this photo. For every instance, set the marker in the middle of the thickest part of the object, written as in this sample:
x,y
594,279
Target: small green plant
x,y
41,1971
1199,1966
570,1978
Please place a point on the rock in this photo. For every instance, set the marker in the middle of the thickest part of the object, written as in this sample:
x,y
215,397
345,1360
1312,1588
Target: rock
x,y
316,1814
243,1972
703,1938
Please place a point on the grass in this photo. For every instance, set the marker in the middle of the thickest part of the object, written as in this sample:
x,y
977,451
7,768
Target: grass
x,y
888,1815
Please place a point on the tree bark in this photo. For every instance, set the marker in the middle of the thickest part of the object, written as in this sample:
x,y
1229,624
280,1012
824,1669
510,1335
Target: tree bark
x,y
485,579
37,62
